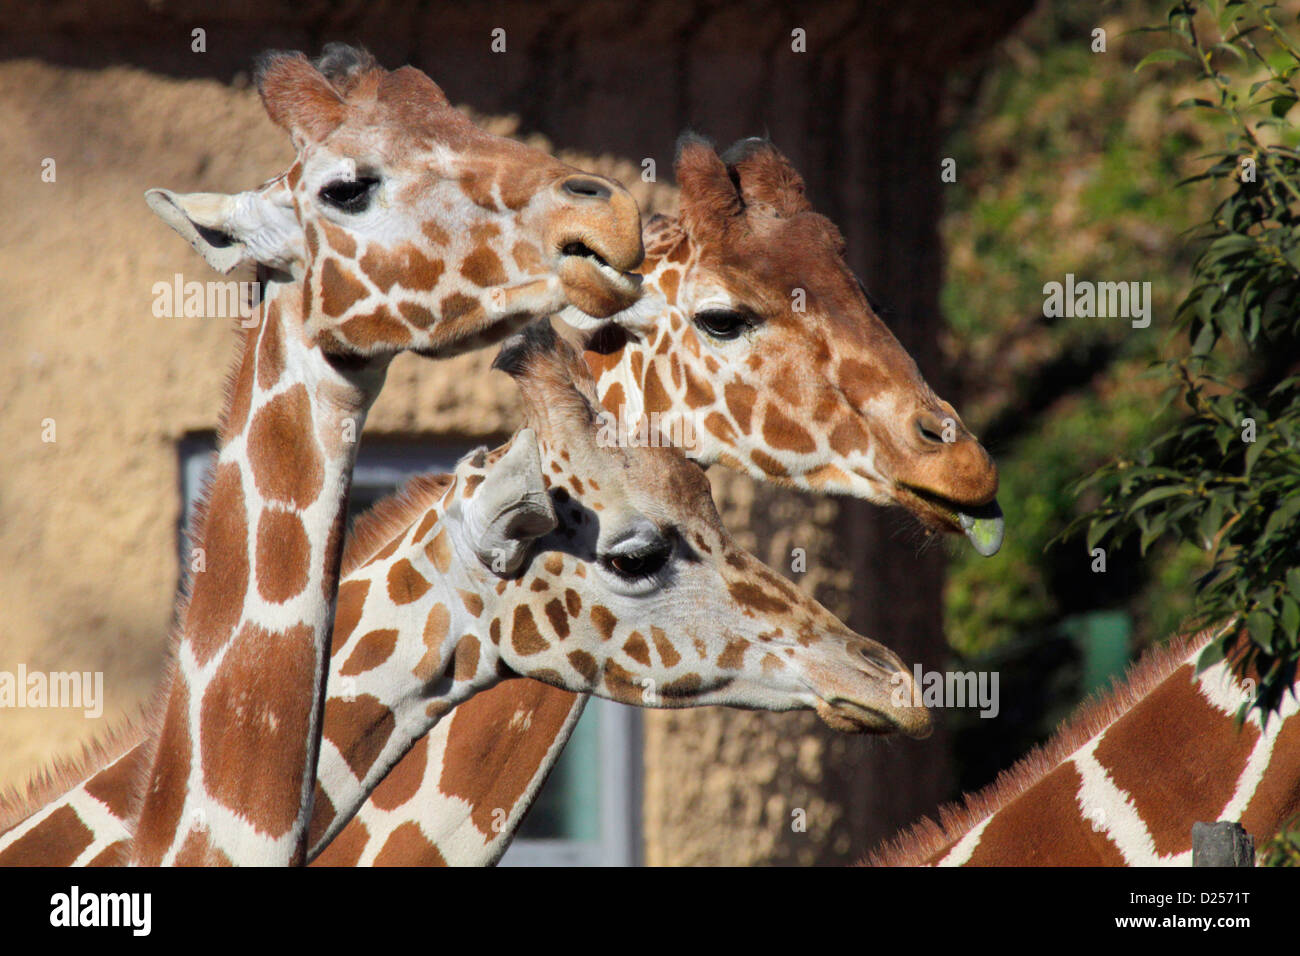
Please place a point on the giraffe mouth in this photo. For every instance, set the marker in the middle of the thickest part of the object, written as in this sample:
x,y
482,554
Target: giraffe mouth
x,y
851,718
583,250
983,525
592,285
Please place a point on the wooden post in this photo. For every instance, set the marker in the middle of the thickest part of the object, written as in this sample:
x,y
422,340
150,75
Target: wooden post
x,y
1222,844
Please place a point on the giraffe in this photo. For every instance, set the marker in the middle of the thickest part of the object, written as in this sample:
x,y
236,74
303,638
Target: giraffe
x,y
583,564
478,753
756,343
1124,780
399,225
716,357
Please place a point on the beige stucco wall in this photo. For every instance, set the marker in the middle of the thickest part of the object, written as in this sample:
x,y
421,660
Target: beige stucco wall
x,y
88,523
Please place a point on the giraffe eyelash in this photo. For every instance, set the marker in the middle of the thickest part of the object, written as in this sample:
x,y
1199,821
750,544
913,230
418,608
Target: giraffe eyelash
x,y
350,195
725,325
640,568
639,565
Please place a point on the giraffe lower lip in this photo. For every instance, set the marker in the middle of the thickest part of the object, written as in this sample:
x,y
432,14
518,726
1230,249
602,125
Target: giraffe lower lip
x,y
597,288
848,717
629,281
582,250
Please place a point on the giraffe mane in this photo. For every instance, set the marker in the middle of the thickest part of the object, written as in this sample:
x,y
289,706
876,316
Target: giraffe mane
x,y
389,517
62,774
917,843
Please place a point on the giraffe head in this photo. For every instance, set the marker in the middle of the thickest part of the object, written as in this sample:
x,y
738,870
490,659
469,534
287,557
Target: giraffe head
x,y
616,577
407,225
756,343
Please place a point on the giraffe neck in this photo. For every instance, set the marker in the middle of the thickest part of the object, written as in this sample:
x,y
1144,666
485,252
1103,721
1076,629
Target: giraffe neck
x,y
406,649
403,653
460,794
230,779
1124,782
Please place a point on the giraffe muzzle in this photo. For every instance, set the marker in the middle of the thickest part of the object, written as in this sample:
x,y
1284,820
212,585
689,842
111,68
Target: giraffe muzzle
x,y
596,237
869,693
850,718
592,285
947,479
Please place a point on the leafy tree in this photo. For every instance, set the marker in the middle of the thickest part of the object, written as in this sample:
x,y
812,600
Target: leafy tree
x,y
1227,475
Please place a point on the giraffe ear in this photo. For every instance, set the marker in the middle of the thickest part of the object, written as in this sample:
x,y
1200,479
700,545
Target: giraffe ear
x,y
709,200
227,230
299,98
510,508
766,178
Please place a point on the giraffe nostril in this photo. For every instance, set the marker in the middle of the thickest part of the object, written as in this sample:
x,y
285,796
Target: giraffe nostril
x,y
875,659
932,429
585,187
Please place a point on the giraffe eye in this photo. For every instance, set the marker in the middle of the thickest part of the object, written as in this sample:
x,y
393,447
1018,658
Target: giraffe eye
x,y
639,564
725,324
350,195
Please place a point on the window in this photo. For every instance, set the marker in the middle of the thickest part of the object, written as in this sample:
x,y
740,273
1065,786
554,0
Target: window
x,y
589,811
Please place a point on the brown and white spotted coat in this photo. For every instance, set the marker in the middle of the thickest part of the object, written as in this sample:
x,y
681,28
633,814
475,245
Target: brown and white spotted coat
x,y
1123,782
595,568
637,594
399,225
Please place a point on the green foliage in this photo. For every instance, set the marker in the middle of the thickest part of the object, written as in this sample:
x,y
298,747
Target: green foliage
x,y
1066,161
1226,475
1284,848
